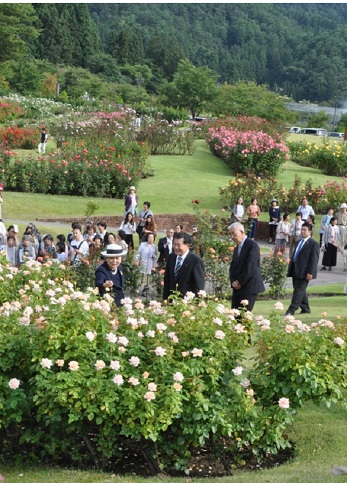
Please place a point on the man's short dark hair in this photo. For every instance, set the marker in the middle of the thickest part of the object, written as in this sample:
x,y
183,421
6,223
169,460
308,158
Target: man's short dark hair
x,y
308,226
298,213
76,226
101,223
187,239
147,203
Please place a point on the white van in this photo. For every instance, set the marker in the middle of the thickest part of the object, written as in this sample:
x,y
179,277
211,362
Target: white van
x,y
315,131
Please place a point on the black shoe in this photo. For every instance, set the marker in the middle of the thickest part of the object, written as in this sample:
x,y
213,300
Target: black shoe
x,y
288,313
329,269
144,292
305,312
323,268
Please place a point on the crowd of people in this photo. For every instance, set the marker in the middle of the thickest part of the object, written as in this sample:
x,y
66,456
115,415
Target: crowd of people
x,y
285,233
184,269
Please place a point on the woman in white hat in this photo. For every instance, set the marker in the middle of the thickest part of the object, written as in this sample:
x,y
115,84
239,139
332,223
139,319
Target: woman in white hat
x,y
109,276
131,201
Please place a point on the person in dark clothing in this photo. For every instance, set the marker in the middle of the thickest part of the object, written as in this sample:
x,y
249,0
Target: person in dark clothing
x,y
109,275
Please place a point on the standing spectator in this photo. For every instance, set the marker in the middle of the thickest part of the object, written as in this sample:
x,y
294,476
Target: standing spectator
x,y
185,271
60,249
331,244
1,199
61,238
143,216
131,201
101,229
79,247
275,215
2,233
43,141
253,212
178,228
90,235
165,246
109,275
324,225
295,232
305,209
146,257
341,216
310,221
48,249
302,269
12,230
111,239
149,228
26,250
244,271
129,226
121,240
282,233
12,251
238,211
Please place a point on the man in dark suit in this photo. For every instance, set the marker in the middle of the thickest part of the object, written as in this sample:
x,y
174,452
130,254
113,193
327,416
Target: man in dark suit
x,y
185,271
165,246
302,269
244,272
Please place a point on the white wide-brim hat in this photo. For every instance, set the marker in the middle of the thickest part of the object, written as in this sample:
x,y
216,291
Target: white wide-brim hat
x,y
132,188
343,205
114,250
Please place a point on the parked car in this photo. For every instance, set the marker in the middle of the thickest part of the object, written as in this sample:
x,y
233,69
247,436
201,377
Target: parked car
x,y
336,135
294,129
315,131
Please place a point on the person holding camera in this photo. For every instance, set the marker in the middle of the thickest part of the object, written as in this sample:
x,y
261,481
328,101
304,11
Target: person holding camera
x,y
146,257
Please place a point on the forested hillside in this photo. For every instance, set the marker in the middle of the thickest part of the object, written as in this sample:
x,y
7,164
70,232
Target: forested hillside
x,y
298,50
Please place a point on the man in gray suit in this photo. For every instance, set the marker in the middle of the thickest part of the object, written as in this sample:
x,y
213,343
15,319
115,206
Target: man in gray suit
x,y
302,269
244,271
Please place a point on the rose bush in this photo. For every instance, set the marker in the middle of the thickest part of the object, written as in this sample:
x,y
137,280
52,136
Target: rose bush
x,y
81,379
248,150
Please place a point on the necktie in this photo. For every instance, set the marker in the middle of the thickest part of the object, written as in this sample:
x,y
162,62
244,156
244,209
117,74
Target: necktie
x,y
298,250
178,265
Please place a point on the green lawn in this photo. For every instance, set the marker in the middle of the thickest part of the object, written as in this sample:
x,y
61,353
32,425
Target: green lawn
x,y
176,182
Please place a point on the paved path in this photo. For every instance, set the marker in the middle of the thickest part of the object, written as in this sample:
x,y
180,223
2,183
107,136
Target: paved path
x,y
337,275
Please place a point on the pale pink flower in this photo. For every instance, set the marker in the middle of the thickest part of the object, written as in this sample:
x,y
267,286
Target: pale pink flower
x,y
197,352
14,383
161,327
118,379
217,321
115,365
111,337
339,341
278,306
150,333
100,365
239,328
140,334
283,403
289,328
145,375
202,293
134,381
219,334
188,297
178,377
122,349
90,336
46,363
244,302
238,370
245,383
185,354
152,386
134,361
177,386
60,362
123,341
250,392
160,351
175,339
73,366
24,320
149,396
